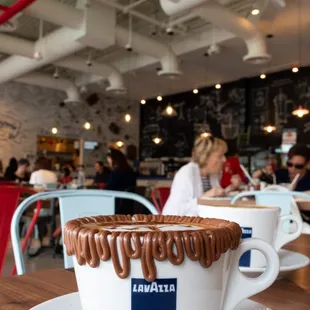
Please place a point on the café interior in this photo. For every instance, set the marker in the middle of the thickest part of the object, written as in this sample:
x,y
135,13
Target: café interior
x,y
156,150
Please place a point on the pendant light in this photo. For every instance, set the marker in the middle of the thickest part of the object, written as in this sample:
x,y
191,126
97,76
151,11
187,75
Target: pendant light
x,y
205,134
170,111
269,128
157,140
300,111
87,125
54,130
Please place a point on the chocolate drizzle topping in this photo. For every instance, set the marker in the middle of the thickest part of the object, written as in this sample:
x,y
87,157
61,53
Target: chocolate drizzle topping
x,y
92,244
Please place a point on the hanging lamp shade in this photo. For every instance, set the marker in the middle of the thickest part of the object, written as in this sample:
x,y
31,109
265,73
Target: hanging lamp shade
x,y
300,112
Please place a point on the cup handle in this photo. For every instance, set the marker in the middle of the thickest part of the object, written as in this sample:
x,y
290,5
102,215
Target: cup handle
x,y
283,237
239,287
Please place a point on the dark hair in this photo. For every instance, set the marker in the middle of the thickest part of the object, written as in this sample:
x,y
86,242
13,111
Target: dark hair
x,y
13,164
119,161
299,150
67,172
42,163
23,161
100,163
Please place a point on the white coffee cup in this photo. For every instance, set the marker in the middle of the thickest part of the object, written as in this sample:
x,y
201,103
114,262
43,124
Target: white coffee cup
x,y
188,286
259,222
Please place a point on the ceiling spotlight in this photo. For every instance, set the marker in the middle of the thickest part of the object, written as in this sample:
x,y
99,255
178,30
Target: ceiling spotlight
x,y
295,69
87,125
255,12
37,55
127,118
195,91
157,140
218,86
54,130
56,74
159,98
263,76
120,143
143,101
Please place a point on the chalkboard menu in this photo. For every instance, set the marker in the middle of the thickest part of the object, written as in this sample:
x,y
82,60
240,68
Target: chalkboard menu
x,y
236,109
273,100
222,112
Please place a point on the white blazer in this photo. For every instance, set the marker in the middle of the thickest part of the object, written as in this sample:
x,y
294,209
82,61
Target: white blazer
x,y
186,188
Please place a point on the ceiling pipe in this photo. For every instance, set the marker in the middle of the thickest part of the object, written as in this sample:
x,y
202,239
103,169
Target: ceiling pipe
x,y
56,45
224,18
25,48
114,77
147,46
44,80
140,44
13,45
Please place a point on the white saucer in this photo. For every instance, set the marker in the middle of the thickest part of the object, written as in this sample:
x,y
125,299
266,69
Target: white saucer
x,y
72,302
289,261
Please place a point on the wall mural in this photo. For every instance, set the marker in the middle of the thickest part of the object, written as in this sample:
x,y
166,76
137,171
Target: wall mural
x,y
27,111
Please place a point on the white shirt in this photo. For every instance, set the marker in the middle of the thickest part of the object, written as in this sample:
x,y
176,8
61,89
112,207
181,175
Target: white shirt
x,y
42,177
186,188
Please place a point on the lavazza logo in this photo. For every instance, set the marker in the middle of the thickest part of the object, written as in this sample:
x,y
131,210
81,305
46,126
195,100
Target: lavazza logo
x,y
153,287
246,231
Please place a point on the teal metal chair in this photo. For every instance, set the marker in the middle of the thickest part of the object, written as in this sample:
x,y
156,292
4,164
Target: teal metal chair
x,y
73,204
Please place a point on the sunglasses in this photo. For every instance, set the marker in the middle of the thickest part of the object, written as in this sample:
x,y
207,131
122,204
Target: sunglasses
x,y
297,166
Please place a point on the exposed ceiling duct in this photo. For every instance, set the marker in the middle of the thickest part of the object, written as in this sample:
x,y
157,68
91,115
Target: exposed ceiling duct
x,y
45,80
115,78
22,47
223,18
62,43
72,17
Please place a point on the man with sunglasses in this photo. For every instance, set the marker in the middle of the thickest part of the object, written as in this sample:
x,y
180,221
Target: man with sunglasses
x,y
298,160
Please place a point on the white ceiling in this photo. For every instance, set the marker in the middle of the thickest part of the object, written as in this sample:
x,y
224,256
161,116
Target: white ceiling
x,y
198,70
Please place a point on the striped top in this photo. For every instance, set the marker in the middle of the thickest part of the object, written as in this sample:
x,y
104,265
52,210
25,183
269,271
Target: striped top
x,y
206,184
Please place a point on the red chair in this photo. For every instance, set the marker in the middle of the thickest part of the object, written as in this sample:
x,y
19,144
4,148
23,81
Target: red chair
x,y
9,198
159,196
7,183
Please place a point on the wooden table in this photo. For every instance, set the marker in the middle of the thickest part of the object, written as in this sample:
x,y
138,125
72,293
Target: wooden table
x,y
24,292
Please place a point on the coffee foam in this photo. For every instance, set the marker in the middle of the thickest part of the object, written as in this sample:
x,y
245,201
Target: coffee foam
x,y
143,227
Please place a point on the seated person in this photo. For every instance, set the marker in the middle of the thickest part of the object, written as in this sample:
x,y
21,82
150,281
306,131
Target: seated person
x,y
22,174
232,170
265,174
102,173
67,178
298,160
121,178
43,175
9,174
200,177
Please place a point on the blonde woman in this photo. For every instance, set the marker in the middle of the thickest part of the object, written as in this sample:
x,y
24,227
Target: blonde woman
x,y
200,177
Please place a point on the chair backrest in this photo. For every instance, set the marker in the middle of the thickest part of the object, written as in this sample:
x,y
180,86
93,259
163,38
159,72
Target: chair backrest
x,y
160,196
9,197
281,199
73,204
7,183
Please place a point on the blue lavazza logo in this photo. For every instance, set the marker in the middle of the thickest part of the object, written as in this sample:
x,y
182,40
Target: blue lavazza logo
x,y
245,259
160,294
